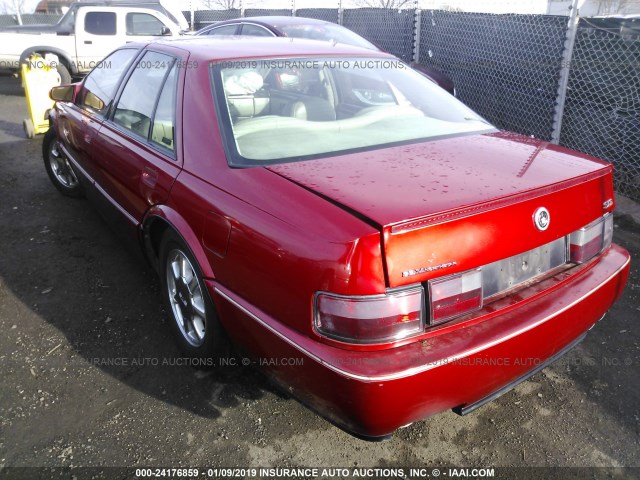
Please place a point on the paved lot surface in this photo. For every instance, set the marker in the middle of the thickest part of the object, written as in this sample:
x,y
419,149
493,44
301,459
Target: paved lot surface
x,y
69,294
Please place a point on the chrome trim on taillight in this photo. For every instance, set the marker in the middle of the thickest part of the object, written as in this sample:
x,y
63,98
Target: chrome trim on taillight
x,y
370,319
465,289
591,240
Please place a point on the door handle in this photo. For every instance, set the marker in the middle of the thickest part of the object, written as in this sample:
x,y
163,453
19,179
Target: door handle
x,y
150,177
88,42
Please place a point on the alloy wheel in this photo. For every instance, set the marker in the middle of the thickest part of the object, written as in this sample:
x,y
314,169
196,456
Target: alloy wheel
x,y
61,167
186,298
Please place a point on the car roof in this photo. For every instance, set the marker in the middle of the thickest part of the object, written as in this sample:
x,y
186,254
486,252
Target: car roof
x,y
207,48
272,21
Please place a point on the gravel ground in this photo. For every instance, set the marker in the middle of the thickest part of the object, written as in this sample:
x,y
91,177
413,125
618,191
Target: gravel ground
x,y
70,294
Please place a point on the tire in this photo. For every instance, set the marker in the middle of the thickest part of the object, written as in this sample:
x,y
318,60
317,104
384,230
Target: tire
x,y
59,167
65,75
194,321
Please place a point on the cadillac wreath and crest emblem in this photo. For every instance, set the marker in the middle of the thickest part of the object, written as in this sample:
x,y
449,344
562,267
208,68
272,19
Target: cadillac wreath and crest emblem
x,y
541,218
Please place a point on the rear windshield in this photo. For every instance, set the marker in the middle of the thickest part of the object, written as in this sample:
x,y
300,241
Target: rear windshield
x,y
283,110
327,31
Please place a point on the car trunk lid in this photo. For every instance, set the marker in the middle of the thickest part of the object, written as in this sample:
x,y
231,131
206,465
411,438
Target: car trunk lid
x,y
421,196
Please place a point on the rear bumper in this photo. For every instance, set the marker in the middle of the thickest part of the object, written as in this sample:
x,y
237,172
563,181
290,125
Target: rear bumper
x,y
372,393
467,409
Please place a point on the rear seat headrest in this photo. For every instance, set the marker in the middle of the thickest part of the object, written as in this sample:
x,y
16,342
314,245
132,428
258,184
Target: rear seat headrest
x,y
243,83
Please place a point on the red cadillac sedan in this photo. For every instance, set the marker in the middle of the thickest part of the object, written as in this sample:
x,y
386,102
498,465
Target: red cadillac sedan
x,y
381,249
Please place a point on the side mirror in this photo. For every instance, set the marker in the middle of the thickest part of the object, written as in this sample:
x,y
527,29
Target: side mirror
x,y
165,31
63,93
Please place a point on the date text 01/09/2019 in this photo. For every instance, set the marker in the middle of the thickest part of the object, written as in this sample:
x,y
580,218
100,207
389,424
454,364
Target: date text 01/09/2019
x,y
314,472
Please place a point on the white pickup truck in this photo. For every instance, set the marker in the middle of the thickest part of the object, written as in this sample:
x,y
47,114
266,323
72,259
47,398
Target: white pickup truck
x,y
87,33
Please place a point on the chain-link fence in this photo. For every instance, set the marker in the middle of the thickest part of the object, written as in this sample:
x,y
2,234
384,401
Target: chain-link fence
x,y
203,18
29,19
263,12
40,18
602,111
326,14
8,20
392,29
506,67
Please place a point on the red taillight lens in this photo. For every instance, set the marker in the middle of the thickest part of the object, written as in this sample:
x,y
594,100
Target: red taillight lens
x,y
370,319
455,295
589,241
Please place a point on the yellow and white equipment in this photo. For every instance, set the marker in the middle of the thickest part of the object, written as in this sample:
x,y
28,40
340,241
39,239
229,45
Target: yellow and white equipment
x,y
39,75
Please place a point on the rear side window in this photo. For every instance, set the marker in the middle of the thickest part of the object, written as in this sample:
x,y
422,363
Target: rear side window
x,y
100,23
255,31
163,128
100,85
143,24
141,97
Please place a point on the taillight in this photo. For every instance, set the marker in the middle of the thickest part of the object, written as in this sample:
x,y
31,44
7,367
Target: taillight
x,y
370,318
589,241
401,314
455,295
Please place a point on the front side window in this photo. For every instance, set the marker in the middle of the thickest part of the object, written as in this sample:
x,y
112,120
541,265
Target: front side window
x,y
223,30
68,21
143,24
137,104
283,110
100,23
100,85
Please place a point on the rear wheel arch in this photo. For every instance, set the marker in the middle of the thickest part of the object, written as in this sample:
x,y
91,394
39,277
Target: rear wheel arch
x,y
158,221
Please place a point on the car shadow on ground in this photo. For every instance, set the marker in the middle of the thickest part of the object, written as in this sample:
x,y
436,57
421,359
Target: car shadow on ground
x,y
64,263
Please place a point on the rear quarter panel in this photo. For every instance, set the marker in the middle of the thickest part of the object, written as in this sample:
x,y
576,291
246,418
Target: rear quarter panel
x,y
268,240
